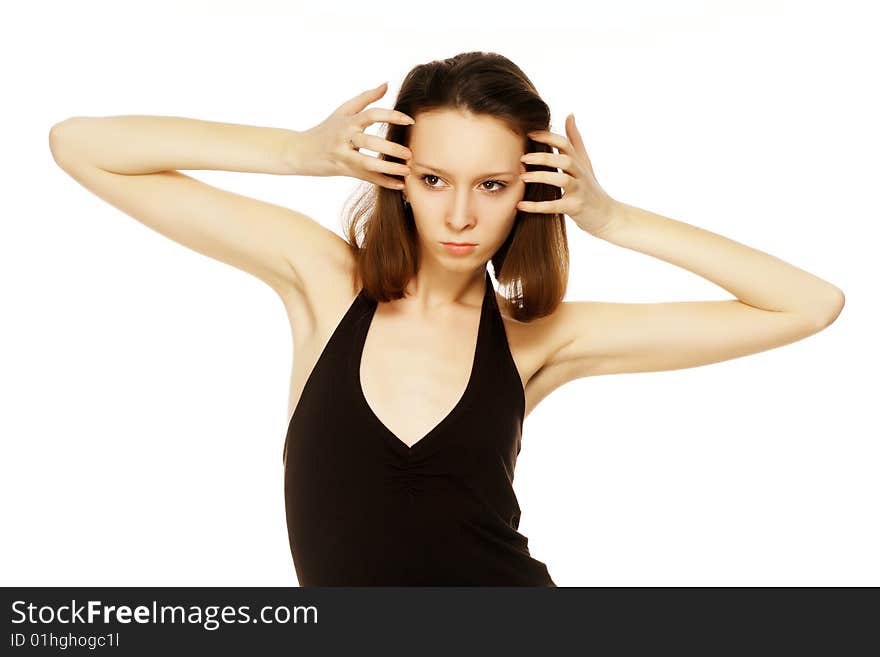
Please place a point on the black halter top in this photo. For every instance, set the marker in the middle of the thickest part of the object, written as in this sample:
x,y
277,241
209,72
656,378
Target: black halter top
x,y
365,509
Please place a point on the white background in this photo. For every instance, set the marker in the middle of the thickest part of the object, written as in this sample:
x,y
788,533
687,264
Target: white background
x,y
144,386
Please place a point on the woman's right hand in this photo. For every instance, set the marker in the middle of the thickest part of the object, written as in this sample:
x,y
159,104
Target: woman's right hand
x,y
331,147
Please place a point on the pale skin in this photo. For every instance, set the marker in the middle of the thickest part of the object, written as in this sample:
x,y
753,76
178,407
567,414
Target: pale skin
x,y
419,350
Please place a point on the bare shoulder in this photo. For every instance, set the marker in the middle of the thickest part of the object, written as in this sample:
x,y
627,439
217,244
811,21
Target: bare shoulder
x,y
325,274
534,345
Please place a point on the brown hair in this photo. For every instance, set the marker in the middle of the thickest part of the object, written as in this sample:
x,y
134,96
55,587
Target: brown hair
x,y
531,266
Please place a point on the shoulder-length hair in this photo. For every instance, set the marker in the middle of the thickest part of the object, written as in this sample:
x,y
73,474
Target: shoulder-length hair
x,y
531,266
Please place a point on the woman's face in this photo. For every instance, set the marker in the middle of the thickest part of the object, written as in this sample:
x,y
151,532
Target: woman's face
x,y
464,184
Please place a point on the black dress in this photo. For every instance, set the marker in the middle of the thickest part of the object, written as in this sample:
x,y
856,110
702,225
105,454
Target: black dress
x,y
365,509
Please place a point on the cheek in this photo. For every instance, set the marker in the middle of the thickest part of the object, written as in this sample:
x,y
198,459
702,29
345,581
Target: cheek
x,y
502,217
423,197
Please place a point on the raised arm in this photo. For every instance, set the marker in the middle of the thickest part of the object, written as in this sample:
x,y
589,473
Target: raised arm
x,y
132,163
776,303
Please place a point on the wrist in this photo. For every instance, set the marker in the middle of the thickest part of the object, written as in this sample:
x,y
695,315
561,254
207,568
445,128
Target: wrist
x,y
616,218
293,155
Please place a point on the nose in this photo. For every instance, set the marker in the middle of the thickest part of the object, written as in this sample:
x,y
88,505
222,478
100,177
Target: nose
x,y
462,213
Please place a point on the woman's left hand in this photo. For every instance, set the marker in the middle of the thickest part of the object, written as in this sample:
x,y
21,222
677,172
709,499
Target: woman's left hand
x,y
583,198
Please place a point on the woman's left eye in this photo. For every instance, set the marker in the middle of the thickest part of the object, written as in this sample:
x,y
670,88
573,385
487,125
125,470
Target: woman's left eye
x,y
499,185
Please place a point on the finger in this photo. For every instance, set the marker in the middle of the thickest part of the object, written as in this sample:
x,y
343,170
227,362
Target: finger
x,y
388,183
384,166
381,145
546,137
359,102
377,114
556,160
547,177
549,207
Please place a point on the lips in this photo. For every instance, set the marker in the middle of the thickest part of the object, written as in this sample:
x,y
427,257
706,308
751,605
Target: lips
x,y
461,243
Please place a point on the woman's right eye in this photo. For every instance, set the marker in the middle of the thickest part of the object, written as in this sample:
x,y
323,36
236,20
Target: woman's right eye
x,y
428,175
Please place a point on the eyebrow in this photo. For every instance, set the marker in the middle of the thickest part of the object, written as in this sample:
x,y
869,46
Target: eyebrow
x,y
446,173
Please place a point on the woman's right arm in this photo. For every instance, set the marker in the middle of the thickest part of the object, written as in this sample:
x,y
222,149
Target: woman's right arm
x,y
132,163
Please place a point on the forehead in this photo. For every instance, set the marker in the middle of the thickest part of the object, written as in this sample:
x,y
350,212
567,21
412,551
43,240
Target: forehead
x,y
453,137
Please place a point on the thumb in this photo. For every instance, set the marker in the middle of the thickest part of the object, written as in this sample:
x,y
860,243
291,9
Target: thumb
x,y
359,102
574,135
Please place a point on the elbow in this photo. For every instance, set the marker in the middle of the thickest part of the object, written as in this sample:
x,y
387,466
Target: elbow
x,y
832,309
58,141
837,305
841,301
56,130
55,139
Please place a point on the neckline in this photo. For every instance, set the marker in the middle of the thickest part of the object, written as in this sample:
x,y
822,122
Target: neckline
x,y
392,438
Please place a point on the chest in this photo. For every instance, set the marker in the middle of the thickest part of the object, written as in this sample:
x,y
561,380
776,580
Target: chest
x,y
413,373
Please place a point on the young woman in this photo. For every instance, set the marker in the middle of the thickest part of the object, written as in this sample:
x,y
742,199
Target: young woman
x,y
412,376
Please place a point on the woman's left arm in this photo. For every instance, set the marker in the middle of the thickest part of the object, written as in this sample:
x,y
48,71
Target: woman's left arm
x,y
756,278
777,303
